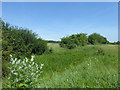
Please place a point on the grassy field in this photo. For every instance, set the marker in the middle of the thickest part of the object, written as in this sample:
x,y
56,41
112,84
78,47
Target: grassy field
x,y
92,66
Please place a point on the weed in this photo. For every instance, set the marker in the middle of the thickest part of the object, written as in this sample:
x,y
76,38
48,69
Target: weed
x,y
100,51
24,73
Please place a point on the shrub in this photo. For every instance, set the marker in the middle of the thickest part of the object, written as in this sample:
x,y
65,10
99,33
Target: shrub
x,y
71,46
19,42
24,73
97,39
100,51
73,41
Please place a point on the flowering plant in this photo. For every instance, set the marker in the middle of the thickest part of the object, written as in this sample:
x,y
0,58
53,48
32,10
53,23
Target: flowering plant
x,y
24,73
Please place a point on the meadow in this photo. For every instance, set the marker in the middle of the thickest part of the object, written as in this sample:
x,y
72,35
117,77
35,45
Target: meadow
x,y
91,66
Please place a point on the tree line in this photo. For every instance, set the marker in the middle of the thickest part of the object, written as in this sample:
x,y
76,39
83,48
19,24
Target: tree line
x,y
22,42
81,39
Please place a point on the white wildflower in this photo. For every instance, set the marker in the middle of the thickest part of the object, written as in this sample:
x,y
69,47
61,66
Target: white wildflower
x,y
33,63
29,65
36,65
13,61
37,71
18,62
15,73
31,73
42,65
26,59
20,67
32,58
10,55
24,63
12,71
28,72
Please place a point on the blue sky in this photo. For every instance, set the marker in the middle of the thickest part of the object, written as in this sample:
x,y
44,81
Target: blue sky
x,y
52,21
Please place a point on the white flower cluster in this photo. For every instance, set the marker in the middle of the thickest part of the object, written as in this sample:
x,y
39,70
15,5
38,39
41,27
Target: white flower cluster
x,y
24,69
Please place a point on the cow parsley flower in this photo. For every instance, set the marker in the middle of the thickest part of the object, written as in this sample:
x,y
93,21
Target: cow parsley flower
x,y
18,62
32,58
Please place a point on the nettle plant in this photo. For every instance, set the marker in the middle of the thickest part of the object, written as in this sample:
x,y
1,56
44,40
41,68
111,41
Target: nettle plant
x,y
24,73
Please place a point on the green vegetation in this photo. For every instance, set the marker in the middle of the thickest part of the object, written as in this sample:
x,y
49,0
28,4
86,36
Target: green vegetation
x,y
20,43
82,67
97,39
74,40
77,61
81,39
24,73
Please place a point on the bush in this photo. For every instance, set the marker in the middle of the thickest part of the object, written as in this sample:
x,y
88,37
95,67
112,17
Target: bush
x,y
71,46
73,41
24,73
100,51
97,39
20,43
39,47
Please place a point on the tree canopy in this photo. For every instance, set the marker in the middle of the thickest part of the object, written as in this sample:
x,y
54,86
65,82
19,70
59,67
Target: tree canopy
x,y
97,39
20,43
81,39
74,41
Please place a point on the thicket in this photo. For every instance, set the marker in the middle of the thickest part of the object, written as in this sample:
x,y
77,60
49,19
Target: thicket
x,y
97,39
20,43
81,39
74,41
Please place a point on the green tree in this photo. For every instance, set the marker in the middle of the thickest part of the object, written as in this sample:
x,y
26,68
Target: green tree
x,y
20,43
97,39
74,41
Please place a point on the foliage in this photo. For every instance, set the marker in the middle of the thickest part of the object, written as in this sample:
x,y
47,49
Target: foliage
x,y
89,74
100,51
20,43
48,51
39,47
97,39
24,73
80,67
51,41
74,40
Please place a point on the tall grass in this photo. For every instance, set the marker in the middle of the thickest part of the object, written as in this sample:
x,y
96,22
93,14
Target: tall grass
x,y
88,74
83,67
91,66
